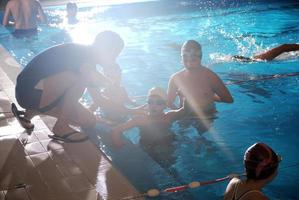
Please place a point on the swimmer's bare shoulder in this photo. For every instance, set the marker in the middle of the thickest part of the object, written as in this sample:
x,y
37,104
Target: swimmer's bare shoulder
x,y
174,78
222,94
178,74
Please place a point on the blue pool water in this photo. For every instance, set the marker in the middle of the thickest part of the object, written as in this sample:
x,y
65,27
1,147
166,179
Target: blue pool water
x,y
264,111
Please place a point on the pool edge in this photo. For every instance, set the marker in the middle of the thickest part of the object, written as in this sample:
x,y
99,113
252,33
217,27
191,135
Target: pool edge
x,y
9,69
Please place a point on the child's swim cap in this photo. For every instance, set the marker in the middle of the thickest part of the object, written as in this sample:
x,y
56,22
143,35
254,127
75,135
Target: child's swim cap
x,y
158,91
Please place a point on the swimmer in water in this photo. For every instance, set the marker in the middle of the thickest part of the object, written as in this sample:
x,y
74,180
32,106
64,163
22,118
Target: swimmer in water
x,y
261,164
26,14
155,135
270,54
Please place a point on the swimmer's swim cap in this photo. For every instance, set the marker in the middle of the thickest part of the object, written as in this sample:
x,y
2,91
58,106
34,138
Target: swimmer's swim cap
x,y
158,91
260,161
191,48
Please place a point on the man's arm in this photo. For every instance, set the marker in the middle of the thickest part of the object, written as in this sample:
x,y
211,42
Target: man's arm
x,y
221,92
171,92
94,80
92,77
6,15
178,113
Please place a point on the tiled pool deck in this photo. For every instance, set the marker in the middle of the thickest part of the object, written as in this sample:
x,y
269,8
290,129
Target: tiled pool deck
x,y
34,167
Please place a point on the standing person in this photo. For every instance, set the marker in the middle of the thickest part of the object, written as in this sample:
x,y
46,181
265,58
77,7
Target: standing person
x,y
71,10
54,81
26,14
200,87
261,164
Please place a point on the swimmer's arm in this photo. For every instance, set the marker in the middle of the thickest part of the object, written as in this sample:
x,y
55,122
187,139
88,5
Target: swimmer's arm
x,y
138,110
127,125
221,93
171,93
273,53
101,101
41,15
178,113
118,131
92,77
125,96
5,21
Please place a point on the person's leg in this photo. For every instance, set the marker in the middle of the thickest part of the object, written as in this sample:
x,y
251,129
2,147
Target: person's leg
x,y
76,115
273,53
58,97
46,94
70,111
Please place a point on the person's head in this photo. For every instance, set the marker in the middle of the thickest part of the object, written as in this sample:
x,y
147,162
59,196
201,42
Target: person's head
x,y
71,9
261,162
156,100
106,47
191,54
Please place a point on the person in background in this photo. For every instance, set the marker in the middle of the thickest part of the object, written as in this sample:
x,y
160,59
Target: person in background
x,y
261,164
71,10
25,14
270,54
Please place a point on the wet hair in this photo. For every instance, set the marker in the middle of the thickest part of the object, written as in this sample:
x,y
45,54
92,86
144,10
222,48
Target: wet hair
x,y
192,46
109,40
260,161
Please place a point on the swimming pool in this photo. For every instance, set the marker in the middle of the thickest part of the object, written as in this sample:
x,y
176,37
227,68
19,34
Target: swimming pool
x,y
264,111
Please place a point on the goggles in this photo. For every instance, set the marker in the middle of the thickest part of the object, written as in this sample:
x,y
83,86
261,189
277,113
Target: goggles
x,y
191,54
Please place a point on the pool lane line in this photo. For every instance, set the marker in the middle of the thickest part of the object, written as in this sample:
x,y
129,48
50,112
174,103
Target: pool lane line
x,y
266,77
195,184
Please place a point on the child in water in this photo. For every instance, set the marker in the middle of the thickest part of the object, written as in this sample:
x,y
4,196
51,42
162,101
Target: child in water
x,y
261,164
155,136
